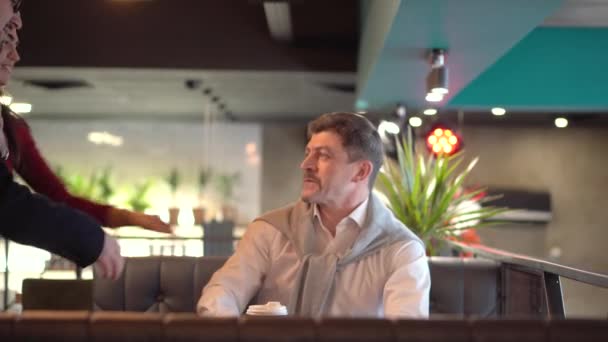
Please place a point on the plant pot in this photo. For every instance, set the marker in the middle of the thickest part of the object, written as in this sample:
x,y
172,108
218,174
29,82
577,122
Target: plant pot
x,y
173,214
199,215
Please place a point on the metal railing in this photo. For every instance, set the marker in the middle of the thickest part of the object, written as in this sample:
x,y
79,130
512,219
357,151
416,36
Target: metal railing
x,y
531,285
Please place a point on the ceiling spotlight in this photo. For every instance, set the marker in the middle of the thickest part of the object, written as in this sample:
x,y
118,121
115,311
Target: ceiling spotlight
x,y
415,121
561,122
388,127
434,97
438,78
430,111
401,111
498,111
192,83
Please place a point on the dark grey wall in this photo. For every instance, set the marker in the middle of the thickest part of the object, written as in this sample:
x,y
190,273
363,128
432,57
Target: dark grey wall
x,y
283,149
572,166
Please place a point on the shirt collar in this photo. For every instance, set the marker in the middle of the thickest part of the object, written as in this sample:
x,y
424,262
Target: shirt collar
x,y
358,215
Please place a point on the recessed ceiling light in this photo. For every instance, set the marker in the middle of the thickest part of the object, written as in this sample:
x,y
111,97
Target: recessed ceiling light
x,y
21,107
105,138
498,111
430,111
6,99
415,121
561,122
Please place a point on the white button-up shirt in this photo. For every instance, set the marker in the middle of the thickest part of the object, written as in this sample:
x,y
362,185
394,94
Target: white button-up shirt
x,y
394,282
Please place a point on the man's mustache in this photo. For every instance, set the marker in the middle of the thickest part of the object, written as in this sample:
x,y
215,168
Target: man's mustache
x,y
309,177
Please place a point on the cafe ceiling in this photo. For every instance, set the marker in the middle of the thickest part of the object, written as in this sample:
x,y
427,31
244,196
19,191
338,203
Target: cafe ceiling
x,y
291,60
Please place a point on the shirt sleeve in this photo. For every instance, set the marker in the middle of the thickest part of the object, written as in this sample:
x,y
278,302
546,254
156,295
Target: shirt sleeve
x,y
406,293
39,176
233,286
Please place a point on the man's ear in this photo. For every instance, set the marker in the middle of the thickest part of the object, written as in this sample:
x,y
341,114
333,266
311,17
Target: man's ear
x,y
364,170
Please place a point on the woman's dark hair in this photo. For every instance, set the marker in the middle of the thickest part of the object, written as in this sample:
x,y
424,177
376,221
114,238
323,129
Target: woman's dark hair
x,y
11,120
16,5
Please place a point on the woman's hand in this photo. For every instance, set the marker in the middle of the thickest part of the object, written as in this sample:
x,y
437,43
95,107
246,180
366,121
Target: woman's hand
x,y
150,222
122,217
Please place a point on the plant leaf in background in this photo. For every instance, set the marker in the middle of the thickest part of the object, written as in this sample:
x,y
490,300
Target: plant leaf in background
x,y
225,184
105,187
96,187
173,179
204,176
426,194
138,200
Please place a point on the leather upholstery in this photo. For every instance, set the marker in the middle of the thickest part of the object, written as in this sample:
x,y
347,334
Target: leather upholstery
x,y
157,284
120,326
465,286
58,294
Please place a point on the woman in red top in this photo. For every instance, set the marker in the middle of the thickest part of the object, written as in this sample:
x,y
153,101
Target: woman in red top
x,y
25,159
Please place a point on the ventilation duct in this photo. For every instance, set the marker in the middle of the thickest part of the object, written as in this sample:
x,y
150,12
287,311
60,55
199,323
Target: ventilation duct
x,y
526,206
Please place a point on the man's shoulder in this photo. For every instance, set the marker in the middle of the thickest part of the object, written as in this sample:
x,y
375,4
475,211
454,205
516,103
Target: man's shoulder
x,y
282,218
406,249
271,214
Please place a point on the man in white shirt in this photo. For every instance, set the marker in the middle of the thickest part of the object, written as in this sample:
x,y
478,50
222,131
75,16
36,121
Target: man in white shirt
x,y
338,251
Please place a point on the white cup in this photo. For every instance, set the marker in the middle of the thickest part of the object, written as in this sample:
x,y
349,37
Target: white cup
x,y
268,309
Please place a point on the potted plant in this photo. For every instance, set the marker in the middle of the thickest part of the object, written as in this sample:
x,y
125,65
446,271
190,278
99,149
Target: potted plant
x,y
105,187
204,176
79,185
225,184
173,180
426,194
138,200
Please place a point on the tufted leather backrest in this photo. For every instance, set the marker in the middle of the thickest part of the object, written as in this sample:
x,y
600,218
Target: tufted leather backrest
x,y
465,286
460,286
156,284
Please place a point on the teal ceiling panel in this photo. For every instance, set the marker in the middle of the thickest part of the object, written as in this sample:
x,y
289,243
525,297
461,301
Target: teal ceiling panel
x,y
475,33
551,69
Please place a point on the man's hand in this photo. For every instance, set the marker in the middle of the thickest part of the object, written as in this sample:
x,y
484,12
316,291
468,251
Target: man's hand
x,y
110,263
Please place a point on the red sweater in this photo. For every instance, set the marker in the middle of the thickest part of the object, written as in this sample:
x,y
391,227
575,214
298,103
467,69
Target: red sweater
x,y
36,172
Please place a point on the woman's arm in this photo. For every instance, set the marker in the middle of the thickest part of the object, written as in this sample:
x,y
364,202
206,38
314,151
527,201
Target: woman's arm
x,y
33,220
34,169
